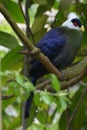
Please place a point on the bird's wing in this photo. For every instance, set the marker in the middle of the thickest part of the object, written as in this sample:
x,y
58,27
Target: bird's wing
x,y
52,43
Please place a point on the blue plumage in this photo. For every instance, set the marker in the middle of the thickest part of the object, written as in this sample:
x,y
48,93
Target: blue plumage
x,y
52,43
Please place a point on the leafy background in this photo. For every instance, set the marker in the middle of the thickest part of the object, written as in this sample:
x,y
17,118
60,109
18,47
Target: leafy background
x,y
49,110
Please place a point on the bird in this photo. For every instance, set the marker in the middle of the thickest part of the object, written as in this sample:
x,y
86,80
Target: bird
x,y
60,45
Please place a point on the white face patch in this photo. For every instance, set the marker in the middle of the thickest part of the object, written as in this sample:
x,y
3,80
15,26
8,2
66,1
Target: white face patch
x,y
68,23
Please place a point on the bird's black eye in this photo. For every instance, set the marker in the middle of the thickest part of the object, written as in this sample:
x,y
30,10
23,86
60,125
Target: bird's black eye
x,y
76,22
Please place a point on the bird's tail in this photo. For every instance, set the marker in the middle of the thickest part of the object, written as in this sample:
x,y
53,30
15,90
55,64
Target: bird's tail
x,y
29,101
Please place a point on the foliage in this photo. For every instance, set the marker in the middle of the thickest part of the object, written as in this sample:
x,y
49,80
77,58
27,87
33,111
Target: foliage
x,y
49,109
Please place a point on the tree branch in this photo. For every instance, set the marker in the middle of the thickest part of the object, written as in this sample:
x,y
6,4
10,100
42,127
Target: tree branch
x,y
40,56
76,70
63,84
73,81
74,74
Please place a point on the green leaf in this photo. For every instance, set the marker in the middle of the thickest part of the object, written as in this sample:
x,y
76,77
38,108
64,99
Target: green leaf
x,y
38,35
39,23
15,123
41,2
38,27
63,103
55,83
14,10
47,99
41,9
5,103
8,40
19,80
36,126
42,116
36,99
12,60
29,86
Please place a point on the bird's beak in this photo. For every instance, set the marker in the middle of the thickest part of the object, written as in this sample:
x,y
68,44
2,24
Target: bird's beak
x,y
82,28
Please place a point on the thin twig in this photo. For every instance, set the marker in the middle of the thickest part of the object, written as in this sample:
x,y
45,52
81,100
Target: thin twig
x,y
43,84
7,97
27,19
23,119
20,5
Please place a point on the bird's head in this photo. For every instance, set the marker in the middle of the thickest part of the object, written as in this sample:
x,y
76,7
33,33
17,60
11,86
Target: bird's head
x,y
73,22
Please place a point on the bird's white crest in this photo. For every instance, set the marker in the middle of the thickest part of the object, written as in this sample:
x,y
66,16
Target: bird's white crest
x,y
68,22
72,15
